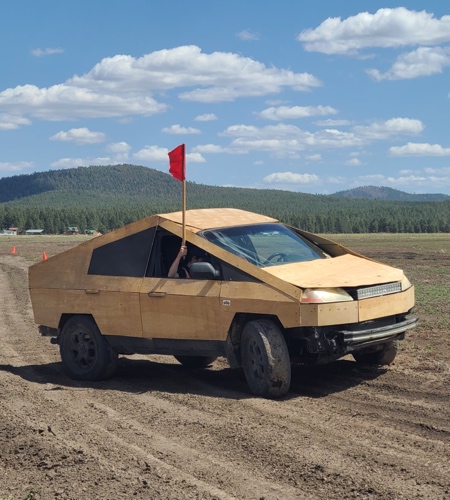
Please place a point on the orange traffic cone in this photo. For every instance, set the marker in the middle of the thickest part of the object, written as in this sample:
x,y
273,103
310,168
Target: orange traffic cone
x,y
44,256
13,251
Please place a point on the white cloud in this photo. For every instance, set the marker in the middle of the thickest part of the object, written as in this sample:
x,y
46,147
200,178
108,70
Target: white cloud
x,y
178,129
66,102
389,128
15,167
220,76
332,123
210,148
354,162
316,157
208,117
424,61
419,149
160,155
11,122
120,151
286,140
46,52
416,181
81,162
122,86
291,178
79,136
152,153
248,35
118,147
395,28
282,140
439,171
293,112
195,158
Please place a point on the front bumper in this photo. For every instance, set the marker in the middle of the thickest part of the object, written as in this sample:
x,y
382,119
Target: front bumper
x,y
364,334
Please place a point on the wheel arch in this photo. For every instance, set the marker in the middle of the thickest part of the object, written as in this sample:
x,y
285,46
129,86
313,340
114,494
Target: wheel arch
x,y
66,316
234,336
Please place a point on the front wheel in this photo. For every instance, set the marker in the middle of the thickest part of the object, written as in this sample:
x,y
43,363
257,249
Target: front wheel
x,y
194,362
85,352
383,356
265,359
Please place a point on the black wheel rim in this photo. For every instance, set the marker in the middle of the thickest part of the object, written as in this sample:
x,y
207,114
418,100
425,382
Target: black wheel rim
x,y
83,349
256,361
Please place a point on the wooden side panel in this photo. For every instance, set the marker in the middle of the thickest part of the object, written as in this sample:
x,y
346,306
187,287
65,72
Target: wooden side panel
x,y
256,298
335,313
387,305
69,269
180,308
116,313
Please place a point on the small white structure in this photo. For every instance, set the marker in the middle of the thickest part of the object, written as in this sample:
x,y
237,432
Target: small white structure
x,y
34,231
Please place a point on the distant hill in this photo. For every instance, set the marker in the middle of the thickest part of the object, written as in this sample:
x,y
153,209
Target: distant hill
x,y
107,197
386,193
125,185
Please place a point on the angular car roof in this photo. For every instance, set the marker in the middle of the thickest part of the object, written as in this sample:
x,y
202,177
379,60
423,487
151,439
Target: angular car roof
x,y
212,218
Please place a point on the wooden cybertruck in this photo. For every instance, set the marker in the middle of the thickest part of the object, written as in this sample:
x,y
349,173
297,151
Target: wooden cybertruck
x,y
265,296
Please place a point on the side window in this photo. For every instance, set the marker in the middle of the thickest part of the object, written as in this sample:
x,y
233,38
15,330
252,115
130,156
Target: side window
x,y
125,257
165,250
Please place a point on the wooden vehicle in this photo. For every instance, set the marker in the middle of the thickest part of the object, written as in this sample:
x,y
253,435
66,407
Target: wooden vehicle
x,y
265,296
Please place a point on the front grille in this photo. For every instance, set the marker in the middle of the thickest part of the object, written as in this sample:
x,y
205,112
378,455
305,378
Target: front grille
x,y
376,291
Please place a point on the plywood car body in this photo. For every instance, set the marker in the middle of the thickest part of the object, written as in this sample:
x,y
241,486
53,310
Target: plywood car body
x,y
119,280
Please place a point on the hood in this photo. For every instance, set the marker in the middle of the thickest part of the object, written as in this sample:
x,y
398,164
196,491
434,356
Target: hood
x,y
343,271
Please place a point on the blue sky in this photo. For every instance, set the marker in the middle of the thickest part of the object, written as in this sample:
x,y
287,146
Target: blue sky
x,y
315,97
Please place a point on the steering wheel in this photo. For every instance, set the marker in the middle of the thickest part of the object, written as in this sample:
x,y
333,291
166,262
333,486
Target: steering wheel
x,y
281,257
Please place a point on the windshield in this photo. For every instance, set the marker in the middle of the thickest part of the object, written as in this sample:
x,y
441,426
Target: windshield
x,y
265,244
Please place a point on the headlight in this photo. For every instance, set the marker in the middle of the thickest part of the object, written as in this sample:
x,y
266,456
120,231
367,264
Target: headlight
x,y
321,295
405,284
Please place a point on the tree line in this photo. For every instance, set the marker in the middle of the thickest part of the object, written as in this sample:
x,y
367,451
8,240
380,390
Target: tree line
x,y
368,217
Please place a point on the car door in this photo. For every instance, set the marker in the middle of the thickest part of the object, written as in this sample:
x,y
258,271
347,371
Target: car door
x,y
177,308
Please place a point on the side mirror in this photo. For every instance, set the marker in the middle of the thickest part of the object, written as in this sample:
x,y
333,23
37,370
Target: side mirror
x,y
203,271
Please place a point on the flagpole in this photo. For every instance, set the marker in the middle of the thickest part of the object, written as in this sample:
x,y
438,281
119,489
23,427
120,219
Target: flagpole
x,y
184,212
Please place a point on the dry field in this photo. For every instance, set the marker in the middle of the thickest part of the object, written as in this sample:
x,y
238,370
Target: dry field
x,y
159,431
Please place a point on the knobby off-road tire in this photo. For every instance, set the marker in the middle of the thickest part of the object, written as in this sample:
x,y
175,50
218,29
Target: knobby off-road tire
x,y
385,356
265,359
194,362
85,352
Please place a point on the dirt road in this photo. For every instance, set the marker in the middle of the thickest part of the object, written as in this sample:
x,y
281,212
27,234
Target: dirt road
x,y
159,431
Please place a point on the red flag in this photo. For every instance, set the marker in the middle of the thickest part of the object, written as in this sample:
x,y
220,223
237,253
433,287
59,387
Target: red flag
x,y
177,160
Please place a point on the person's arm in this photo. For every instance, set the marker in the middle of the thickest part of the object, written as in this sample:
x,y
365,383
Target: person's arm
x,y
173,271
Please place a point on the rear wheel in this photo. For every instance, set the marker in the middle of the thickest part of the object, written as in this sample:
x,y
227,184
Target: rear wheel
x,y
265,359
383,356
85,352
194,362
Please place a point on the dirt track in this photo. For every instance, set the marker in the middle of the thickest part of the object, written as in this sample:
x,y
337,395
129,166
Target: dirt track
x,y
159,431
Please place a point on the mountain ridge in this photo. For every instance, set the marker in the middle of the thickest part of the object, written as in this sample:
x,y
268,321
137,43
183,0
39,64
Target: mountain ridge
x,y
387,193
111,183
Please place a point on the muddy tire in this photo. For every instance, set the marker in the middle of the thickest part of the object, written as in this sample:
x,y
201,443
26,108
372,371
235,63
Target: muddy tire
x,y
195,362
384,356
265,359
85,352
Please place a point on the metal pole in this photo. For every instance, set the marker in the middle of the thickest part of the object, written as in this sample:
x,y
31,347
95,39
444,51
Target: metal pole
x,y
184,213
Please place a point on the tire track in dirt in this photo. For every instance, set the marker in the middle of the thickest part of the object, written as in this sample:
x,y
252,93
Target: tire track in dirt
x,y
159,431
